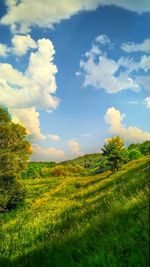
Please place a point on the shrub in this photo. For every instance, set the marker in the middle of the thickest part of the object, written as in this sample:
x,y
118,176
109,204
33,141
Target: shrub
x,y
134,154
64,170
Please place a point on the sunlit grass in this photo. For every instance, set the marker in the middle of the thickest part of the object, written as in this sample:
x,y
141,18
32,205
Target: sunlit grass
x,y
80,221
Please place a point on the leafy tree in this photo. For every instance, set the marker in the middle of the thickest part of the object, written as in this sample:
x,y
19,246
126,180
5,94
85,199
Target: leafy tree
x,y
134,154
115,152
133,146
15,150
145,148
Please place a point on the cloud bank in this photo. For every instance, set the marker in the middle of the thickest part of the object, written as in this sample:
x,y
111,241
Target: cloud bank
x,y
47,154
22,15
114,119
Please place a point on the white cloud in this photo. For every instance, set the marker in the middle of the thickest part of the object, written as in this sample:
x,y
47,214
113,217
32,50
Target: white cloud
x,y
29,117
102,39
36,85
24,14
47,154
134,102
133,47
114,118
75,148
54,137
147,101
24,93
131,65
122,74
96,67
21,44
4,50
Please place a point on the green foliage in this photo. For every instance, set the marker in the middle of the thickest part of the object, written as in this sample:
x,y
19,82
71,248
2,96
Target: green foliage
x,y
4,116
87,161
31,172
134,154
133,146
145,148
14,155
115,152
37,169
64,170
99,167
101,220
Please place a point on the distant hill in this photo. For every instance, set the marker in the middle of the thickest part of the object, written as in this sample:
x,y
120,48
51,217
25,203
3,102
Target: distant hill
x,y
86,161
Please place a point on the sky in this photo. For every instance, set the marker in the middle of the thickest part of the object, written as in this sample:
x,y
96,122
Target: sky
x,y
76,72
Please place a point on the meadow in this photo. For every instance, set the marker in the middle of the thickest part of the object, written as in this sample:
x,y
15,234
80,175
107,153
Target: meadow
x,y
90,221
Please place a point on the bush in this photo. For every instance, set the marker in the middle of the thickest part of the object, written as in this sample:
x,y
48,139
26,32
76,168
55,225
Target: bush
x,y
31,172
64,170
134,154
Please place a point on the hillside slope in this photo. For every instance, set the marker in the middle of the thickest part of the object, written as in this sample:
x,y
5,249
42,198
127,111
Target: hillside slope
x,y
87,221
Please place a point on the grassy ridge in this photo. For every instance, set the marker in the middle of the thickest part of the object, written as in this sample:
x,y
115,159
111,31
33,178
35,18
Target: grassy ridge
x,y
91,221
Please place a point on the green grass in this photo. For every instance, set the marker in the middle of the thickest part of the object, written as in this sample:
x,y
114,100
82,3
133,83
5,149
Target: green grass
x,y
84,221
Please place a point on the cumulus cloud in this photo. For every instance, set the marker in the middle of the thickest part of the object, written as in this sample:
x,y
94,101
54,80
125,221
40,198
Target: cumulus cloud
x,y
21,15
54,137
26,92
29,117
47,154
4,50
75,148
114,119
21,44
133,47
36,85
122,74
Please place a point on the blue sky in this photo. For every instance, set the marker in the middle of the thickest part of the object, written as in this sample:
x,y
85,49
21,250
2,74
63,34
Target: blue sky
x,y
75,73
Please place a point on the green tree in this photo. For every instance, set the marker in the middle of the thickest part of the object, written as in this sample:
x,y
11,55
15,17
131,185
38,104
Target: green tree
x,y
133,146
115,152
145,148
15,150
134,154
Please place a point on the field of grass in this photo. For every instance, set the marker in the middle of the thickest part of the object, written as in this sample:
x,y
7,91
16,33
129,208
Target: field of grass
x,y
80,221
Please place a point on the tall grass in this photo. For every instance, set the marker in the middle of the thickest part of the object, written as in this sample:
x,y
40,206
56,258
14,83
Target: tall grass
x,y
80,221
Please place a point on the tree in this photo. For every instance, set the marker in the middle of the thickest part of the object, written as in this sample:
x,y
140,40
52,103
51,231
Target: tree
x,y
134,154
133,146
145,148
115,152
15,150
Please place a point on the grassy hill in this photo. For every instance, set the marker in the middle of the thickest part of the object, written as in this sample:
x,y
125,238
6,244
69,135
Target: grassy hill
x,y
92,221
